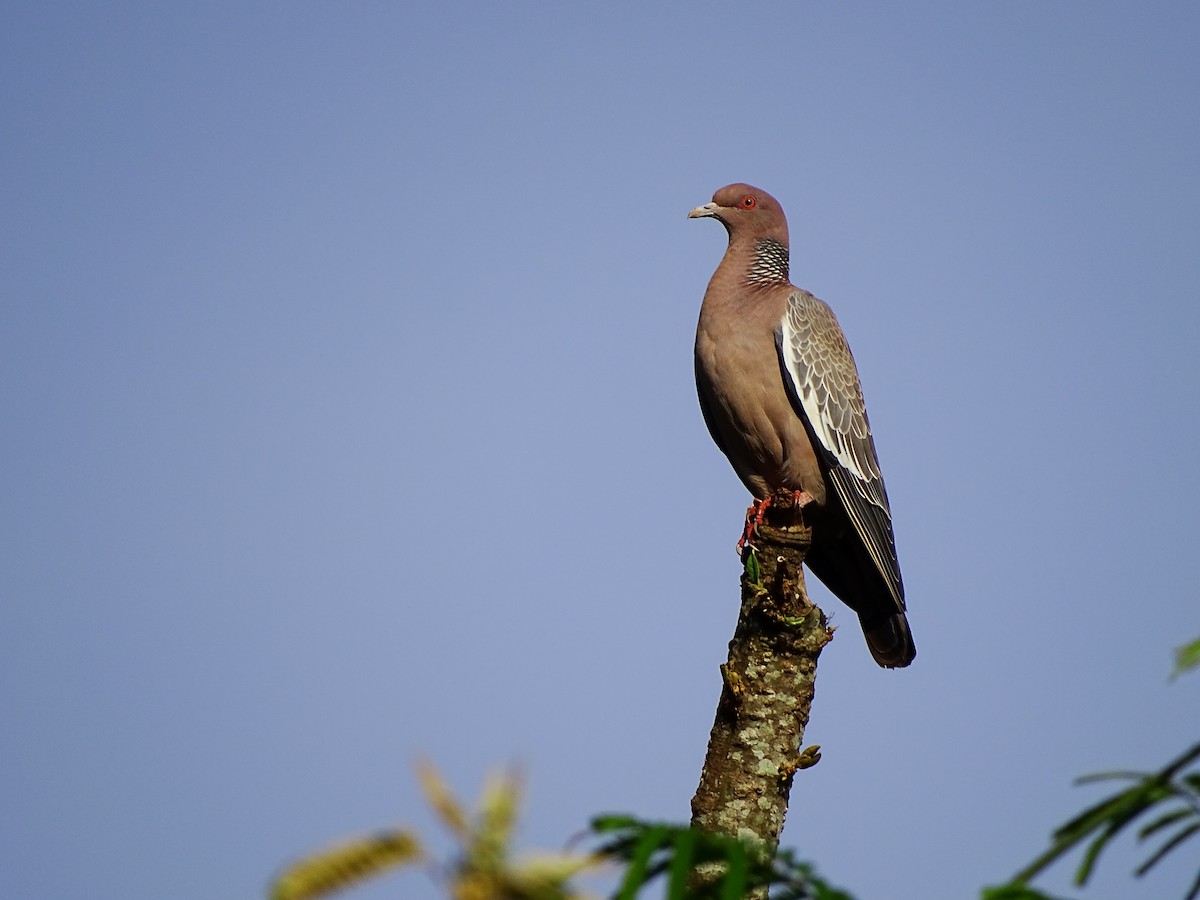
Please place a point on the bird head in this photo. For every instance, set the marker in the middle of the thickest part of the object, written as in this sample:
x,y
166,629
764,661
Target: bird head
x,y
745,211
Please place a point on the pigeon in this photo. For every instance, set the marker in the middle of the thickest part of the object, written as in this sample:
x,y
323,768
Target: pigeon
x,y
780,394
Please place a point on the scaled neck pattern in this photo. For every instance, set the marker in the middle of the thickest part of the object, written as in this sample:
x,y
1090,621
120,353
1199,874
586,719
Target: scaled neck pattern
x,y
770,265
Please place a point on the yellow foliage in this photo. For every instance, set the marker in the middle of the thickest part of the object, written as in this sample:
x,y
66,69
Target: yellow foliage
x,y
482,869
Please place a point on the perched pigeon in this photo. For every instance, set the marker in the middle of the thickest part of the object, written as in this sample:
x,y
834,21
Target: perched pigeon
x,y
781,397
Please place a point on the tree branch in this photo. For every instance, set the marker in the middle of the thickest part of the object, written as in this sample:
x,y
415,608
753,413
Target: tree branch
x,y
753,751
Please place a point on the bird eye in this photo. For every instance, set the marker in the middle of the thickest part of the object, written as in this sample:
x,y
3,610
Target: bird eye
x,y
748,202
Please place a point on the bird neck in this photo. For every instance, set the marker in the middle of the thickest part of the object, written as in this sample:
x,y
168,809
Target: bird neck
x,y
768,262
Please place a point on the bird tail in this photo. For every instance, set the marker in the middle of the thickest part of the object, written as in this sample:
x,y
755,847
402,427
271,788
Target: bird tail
x,y
890,641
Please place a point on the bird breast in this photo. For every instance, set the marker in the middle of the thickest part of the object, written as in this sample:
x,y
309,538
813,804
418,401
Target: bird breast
x,y
750,414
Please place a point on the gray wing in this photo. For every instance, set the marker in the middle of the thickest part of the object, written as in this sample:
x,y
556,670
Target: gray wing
x,y
824,385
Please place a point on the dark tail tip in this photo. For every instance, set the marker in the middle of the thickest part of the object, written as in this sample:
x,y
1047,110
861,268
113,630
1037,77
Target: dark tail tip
x,y
890,641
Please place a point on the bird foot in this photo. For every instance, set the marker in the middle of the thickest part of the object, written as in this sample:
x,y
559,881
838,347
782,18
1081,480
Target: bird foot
x,y
758,509
754,518
801,499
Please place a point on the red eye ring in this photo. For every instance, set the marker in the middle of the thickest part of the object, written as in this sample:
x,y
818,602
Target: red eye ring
x,y
748,202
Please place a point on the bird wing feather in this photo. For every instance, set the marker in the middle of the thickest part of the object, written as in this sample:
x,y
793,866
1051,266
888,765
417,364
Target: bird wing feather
x,y
823,384
702,393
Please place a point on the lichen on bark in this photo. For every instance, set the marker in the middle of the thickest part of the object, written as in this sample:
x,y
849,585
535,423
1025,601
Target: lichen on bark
x,y
767,687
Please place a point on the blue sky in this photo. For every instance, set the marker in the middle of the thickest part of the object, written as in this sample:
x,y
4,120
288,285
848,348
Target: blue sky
x,y
345,366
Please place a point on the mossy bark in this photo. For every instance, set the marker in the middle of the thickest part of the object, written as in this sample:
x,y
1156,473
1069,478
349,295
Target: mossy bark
x,y
768,683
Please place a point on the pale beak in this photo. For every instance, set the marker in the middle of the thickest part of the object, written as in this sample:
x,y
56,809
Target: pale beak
x,y
700,212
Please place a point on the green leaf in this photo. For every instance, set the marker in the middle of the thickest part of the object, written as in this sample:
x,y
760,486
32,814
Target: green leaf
x,y
1013,891
1194,891
677,851
1163,821
1116,808
608,822
1132,804
1186,657
684,848
635,876
1102,821
822,890
1180,836
753,571
734,884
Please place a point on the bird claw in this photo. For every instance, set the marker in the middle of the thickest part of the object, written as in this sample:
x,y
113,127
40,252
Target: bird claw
x,y
758,509
754,518
801,499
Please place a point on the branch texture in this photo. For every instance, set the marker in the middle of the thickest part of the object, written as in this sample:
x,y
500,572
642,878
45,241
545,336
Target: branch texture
x,y
768,684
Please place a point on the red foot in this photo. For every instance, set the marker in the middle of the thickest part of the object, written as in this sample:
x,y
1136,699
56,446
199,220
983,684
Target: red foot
x,y
758,509
754,517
